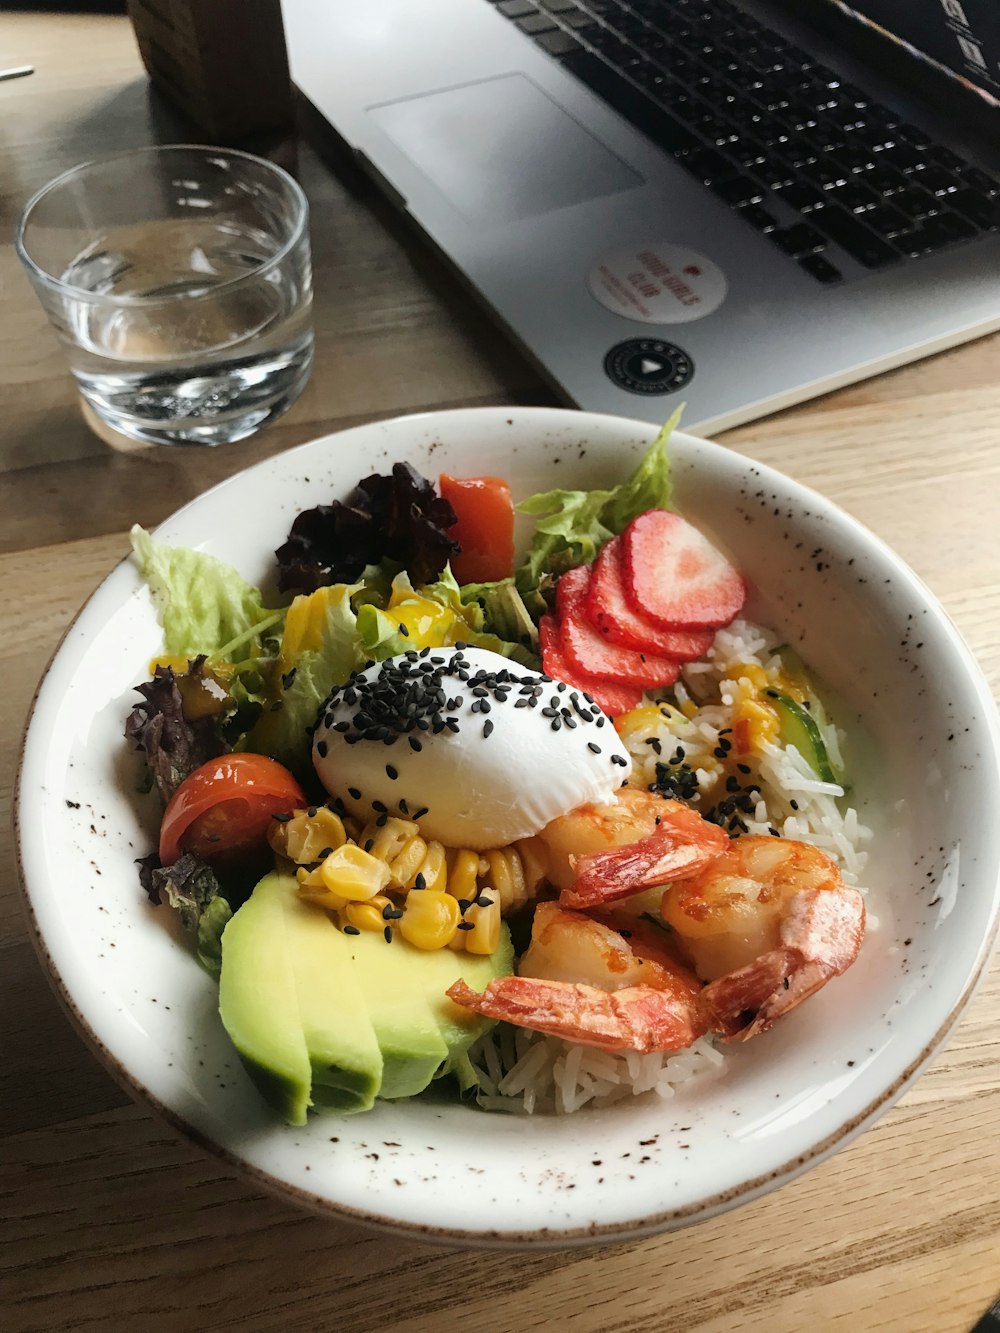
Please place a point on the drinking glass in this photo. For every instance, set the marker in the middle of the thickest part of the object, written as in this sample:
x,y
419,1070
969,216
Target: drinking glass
x,y
178,278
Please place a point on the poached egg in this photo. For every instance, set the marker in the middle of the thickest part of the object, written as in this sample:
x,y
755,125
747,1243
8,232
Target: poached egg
x,y
475,748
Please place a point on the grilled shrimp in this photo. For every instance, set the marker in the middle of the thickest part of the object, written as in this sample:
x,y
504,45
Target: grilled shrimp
x,y
766,924
590,982
599,853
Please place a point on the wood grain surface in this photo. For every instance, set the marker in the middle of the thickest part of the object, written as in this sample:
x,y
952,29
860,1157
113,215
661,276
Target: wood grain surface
x,y
112,1221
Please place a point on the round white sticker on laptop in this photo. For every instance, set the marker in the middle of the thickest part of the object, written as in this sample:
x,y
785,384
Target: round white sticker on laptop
x,y
658,283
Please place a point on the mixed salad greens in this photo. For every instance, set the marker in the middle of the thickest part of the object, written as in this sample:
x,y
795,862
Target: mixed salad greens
x,y
372,577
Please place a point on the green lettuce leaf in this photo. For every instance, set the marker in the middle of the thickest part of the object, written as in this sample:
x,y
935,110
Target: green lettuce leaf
x,y
573,525
505,611
326,621
211,924
204,605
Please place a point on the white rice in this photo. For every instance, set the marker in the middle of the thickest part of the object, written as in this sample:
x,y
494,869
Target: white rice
x,y
523,1072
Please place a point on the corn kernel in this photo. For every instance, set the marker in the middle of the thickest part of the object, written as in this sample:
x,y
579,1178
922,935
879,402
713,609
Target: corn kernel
x,y
463,874
354,874
389,839
368,916
303,837
484,936
313,887
762,720
430,919
406,865
751,671
435,868
637,721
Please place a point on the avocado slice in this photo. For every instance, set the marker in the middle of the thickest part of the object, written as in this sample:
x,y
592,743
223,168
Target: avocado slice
x,y
299,1023
330,1020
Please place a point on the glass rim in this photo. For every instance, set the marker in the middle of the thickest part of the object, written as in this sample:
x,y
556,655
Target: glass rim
x,y
41,275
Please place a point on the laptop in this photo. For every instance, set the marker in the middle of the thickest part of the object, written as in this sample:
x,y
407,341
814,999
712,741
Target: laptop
x,y
733,205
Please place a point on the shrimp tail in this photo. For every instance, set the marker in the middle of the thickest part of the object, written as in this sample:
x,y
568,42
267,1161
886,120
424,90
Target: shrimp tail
x,y
636,1018
682,844
820,939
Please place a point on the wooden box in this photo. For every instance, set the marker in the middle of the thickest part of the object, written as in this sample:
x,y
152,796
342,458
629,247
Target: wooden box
x,y
223,63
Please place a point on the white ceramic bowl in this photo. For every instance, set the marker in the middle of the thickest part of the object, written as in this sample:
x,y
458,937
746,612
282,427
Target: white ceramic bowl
x,y
926,778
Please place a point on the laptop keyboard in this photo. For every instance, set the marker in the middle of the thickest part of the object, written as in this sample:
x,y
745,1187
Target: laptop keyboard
x,y
800,154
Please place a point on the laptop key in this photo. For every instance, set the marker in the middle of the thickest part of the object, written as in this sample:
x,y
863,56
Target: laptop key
x,y
798,240
536,23
801,196
558,42
854,196
516,9
947,228
851,235
918,204
985,213
758,217
979,180
631,102
737,190
887,222
819,267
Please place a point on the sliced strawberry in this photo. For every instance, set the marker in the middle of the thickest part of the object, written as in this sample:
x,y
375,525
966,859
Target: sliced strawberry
x,y
610,697
675,576
613,615
588,650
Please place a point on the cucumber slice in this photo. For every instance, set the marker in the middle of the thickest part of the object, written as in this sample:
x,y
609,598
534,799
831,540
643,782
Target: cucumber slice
x,y
799,728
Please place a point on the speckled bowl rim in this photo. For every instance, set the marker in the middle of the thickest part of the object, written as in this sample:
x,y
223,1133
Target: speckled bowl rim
x,y
549,1237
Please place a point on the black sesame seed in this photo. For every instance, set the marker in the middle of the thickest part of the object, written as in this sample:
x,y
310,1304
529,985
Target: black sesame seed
x,y
419,814
369,844
311,812
487,729
321,749
382,821
483,901
391,772
380,806
281,818
351,930
387,932
404,630
593,747
419,882
354,793
466,925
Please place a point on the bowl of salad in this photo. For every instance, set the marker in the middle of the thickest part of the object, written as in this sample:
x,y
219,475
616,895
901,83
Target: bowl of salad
x,y
513,826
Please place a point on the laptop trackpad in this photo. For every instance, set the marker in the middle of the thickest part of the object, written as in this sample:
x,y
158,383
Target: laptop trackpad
x,y
502,149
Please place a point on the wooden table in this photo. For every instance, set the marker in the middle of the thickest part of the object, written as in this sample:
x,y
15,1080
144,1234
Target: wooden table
x,y
112,1220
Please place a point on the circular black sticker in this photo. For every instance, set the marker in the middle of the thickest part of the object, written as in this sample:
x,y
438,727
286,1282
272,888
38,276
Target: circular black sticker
x,y
649,365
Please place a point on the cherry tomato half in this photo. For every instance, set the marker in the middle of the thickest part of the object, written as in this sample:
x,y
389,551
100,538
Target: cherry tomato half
x,y
485,527
225,807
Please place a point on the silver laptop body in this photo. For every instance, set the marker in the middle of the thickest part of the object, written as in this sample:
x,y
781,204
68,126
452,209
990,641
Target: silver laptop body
x,y
629,283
